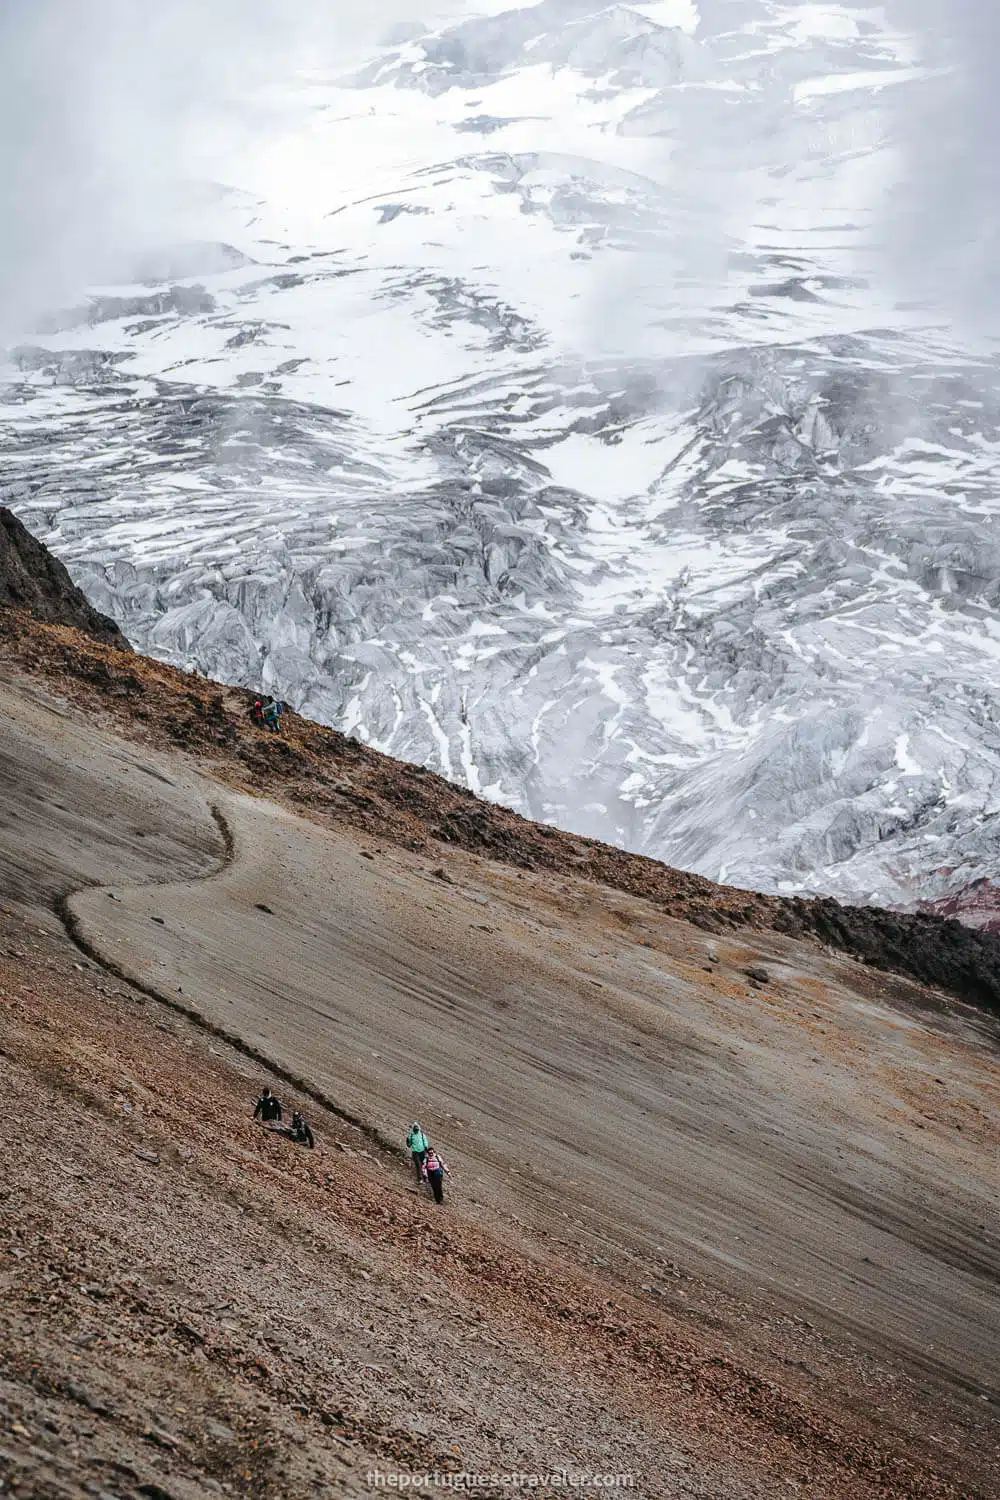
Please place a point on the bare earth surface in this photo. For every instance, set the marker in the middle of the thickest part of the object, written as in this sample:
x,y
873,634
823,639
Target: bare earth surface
x,y
732,1234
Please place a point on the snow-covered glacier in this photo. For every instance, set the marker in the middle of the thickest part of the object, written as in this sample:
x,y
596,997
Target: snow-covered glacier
x,y
529,401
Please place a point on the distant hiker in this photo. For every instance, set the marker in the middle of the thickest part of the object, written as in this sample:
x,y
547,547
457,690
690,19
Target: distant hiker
x,y
272,714
300,1132
435,1169
416,1144
257,712
268,1107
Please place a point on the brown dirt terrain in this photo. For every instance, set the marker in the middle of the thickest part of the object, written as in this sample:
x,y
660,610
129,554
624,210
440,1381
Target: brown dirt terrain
x,y
732,1233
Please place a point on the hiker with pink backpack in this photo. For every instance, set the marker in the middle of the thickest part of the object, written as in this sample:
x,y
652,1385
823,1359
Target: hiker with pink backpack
x,y
435,1170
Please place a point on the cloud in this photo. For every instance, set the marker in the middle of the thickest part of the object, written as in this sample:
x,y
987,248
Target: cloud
x,y
941,221
107,107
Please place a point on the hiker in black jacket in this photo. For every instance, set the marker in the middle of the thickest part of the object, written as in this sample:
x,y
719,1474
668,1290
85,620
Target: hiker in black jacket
x,y
435,1170
268,1107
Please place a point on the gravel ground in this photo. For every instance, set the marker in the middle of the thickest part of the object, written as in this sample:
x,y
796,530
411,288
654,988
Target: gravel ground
x,y
190,1303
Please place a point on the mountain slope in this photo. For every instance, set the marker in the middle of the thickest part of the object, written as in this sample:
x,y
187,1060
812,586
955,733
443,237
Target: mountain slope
x,y
724,1199
729,1225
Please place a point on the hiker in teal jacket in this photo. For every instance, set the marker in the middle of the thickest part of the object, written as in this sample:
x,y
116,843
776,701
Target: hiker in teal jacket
x,y
416,1144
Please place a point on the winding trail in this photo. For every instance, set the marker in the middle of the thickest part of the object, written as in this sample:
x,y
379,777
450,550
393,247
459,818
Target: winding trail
x,y
791,1146
574,1075
76,931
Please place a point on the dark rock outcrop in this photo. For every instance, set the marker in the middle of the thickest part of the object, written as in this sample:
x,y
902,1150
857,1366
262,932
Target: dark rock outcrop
x,y
32,579
933,950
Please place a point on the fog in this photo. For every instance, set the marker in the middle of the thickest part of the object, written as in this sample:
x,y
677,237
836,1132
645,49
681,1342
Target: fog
x,y
941,221
109,107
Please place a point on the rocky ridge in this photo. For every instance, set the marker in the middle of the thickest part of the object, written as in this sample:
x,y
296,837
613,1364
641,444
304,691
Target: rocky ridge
x,y
32,579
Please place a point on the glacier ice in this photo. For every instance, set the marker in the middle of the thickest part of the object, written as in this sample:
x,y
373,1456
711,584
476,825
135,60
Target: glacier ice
x,y
506,443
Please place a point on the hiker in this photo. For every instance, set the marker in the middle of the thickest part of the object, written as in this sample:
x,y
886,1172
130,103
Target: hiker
x,y
268,1107
257,712
416,1144
272,714
300,1132
435,1169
